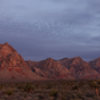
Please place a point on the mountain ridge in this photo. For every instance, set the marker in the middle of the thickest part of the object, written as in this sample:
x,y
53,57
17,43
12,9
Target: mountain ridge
x,y
14,68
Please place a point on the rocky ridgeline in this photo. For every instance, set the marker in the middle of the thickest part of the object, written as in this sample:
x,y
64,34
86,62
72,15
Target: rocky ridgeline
x,y
14,68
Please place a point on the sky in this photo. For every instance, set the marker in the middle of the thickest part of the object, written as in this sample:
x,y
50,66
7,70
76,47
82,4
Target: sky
x,y
39,29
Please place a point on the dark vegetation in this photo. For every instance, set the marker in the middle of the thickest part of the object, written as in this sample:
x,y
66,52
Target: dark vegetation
x,y
51,90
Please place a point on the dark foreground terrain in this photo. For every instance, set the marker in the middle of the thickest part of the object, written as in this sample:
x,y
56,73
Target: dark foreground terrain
x,y
51,90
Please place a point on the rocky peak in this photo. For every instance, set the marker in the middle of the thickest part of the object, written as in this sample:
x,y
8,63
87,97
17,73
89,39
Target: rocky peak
x,y
77,59
51,69
13,66
97,60
6,43
64,59
9,57
95,64
69,62
50,60
48,63
6,49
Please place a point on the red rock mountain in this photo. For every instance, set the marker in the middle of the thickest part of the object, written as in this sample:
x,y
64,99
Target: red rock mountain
x,y
51,69
14,68
12,65
95,64
80,68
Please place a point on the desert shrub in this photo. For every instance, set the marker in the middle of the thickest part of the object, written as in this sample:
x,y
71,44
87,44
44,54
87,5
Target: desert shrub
x,y
54,93
28,87
1,86
48,86
89,95
70,96
75,87
63,97
9,92
40,97
94,84
80,96
98,82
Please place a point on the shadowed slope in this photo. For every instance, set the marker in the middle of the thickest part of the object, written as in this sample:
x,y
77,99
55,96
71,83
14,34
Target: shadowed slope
x,y
95,64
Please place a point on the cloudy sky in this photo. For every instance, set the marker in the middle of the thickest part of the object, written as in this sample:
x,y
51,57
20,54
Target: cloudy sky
x,y
39,29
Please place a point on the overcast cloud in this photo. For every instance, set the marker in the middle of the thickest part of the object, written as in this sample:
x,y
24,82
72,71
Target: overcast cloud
x,y
51,28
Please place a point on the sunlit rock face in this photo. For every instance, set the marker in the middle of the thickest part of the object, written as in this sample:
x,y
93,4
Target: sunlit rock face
x,y
12,65
9,57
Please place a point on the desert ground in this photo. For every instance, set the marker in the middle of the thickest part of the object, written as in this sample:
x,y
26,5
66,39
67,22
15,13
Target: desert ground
x,y
51,90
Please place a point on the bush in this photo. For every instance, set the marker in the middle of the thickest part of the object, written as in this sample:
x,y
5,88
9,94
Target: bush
x,y
9,92
28,87
94,84
89,95
79,95
75,87
1,86
53,93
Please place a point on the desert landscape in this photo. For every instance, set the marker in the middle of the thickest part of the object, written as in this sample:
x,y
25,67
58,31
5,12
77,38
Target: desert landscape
x,y
64,79
49,49
13,67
